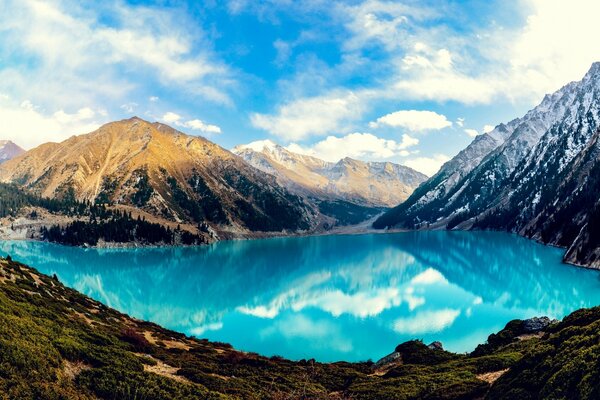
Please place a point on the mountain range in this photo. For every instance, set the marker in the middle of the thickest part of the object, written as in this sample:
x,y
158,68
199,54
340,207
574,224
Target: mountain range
x,y
376,184
536,176
153,171
151,167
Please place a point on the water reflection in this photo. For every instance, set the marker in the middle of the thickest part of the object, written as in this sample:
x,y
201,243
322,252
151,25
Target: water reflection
x,y
331,297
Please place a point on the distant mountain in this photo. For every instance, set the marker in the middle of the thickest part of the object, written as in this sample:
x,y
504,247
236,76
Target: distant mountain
x,y
538,176
9,150
371,184
166,173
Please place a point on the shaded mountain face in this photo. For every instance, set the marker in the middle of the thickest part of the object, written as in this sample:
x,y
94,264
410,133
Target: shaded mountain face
x,y
371,184
155,168
9,150
537,176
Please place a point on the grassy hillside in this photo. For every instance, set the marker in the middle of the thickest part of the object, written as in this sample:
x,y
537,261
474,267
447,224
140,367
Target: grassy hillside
x,y
58,344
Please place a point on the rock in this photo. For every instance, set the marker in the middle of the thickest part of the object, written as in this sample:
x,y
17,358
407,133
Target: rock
x,y
390,358
536,324
436,346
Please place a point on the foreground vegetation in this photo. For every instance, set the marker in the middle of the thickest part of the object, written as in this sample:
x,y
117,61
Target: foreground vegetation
x,y
58,344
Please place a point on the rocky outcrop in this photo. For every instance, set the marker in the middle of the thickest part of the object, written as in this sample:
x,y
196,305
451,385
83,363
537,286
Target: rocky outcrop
x,y
536,324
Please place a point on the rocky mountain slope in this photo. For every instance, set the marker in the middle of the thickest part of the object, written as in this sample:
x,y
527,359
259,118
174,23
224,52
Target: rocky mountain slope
x,y
378,184
56,343
536,176
9,150
151,167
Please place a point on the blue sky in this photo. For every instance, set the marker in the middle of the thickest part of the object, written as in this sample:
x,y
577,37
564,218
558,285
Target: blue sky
x,y
407,81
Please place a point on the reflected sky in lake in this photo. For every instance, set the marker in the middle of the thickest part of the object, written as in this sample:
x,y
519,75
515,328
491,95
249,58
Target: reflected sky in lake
x,y
329,297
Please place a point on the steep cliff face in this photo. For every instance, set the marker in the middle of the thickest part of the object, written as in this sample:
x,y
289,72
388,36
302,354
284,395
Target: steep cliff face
x,y
371,184
164,172
540,181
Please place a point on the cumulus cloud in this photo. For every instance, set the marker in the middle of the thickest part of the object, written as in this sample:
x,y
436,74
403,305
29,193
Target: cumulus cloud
x,y
198,125
471,132
381,22
488,128
27,125
62,55
567,25
194,124
427,165
171,117
413,120
302,118
356,145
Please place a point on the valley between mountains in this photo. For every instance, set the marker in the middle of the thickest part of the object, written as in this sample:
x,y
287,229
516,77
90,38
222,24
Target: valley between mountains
x,y
536,176
137,183
186,188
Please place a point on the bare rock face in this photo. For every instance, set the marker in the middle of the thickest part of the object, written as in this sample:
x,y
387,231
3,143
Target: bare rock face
x,y
436,346
536,324
170,175
373,184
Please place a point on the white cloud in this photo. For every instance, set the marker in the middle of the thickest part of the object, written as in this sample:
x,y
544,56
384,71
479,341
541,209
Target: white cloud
x,y
427,165
259,311
198,125
356,145
445,85
471,132
153,99
302,118
426,322
460,122
381,22
568,26
171,117
129,107
488,128
82,114
194,124
413,120
28,126
513,63
74,58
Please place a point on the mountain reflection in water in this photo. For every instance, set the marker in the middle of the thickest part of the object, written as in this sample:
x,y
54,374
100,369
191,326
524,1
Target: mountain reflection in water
x,y
329,297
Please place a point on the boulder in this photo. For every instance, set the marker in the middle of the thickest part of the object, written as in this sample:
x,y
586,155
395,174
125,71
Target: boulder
x,y
536,324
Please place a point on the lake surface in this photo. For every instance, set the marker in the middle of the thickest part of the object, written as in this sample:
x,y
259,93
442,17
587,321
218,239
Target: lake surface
x,y
329,297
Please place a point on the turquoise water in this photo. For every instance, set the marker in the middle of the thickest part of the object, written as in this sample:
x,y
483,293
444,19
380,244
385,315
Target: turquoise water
x,y
329,297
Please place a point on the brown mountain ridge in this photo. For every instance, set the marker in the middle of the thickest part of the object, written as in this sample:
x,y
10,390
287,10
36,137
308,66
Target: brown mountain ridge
x,y
166,173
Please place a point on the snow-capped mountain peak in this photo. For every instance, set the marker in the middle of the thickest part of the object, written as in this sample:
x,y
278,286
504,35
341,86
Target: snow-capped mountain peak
x,y
532,175
364,183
